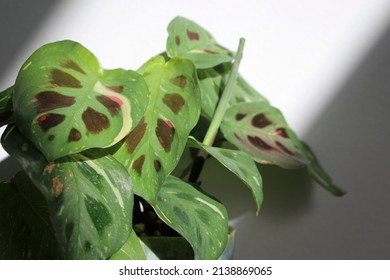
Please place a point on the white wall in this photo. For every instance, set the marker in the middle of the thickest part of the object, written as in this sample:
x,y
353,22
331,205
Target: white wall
x,y
306,56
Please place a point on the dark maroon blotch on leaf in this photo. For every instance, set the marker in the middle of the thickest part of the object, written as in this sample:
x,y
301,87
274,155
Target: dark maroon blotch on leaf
x,y
95,121
177,40
50,100
174,101
240,116
117,89
282,132
283,148
260,121
259,143
74,135
135,135
48,121
138,164
70,64
165,133
179,81
60,78
112,106
157,165
192,35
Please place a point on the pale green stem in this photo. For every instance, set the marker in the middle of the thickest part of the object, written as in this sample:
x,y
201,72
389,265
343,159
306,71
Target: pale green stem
x,y
225,98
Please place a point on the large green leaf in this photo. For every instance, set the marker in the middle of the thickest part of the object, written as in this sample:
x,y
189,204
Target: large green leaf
x,y
189,40
152,150
198,218
240,164
131,250
318,173
6,110
212,83
64,102
262,131
89,197
25,228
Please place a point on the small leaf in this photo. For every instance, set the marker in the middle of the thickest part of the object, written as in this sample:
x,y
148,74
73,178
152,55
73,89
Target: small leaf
x,y
152,150
25,228
198,218
89,197
240,164
318,173
189,40
65,103
262,131
212,82
6,110
131,250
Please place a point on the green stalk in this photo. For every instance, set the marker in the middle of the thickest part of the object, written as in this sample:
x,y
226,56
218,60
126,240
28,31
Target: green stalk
x,y
225,98
218,115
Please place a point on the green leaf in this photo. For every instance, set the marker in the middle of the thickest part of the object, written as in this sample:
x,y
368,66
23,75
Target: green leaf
x,y
168,247
65,103
240,164
152,150
262,131
131,250
189,40
89,197
198,218
6,110
318,173
212,82
25,228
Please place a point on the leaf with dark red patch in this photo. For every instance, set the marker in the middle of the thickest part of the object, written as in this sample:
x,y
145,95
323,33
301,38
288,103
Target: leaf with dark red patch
x,y
189,40
151,150
89,197
261,130
66,103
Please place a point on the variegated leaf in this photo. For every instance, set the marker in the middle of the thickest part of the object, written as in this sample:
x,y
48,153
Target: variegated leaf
x,y
189,40
25,228
240,164
318,173
6,110
131,250
66,103
89,197
198,218
262,131
152,150
212,82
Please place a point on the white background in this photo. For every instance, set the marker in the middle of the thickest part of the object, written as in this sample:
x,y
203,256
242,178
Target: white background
x,y
324,63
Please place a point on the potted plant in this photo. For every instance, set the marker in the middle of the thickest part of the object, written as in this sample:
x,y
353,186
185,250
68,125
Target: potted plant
x,y
98,149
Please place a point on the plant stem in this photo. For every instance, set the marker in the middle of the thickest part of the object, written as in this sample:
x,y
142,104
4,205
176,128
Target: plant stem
x,y
225,98
218,115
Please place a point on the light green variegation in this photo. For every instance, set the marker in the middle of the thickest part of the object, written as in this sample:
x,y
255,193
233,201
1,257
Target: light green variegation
x,y
189,40
6,110
240,164
198,218
262,131
131,250
152,150
27,236
64,102
89,197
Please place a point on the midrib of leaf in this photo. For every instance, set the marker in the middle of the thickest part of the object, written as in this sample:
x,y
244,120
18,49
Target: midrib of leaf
x,y
35,211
